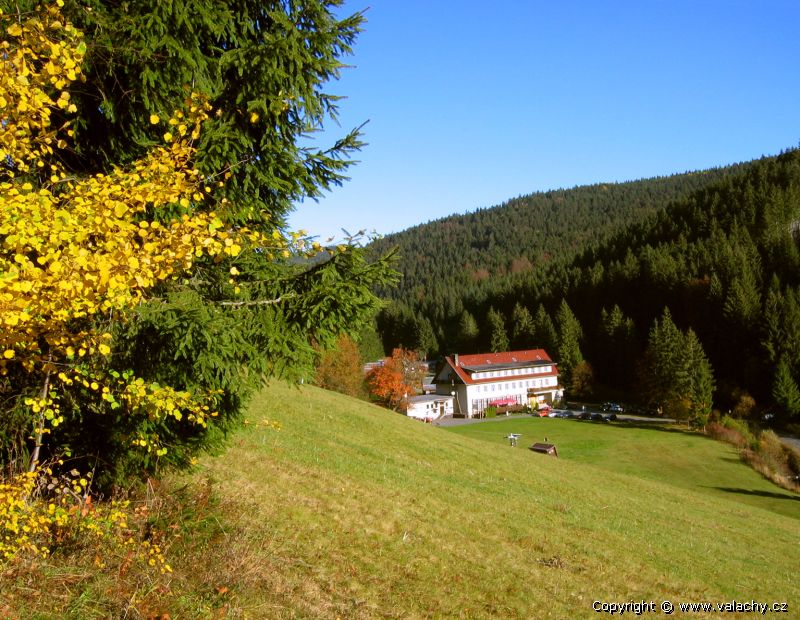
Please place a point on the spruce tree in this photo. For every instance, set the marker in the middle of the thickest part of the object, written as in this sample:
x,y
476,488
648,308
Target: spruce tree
x,y
663,372
266,66
425,342
617,345
700,379
568,350
257,311
497,331
544,332
522,328
785,390
467,333
677,376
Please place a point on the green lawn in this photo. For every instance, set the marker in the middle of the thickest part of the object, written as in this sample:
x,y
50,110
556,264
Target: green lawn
x,y
354,511
646,450
351,511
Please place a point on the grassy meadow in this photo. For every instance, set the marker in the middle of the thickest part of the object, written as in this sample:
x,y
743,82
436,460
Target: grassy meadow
x,y
654,451
351,511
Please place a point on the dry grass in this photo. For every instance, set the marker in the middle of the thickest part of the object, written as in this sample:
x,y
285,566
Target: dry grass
x,y
766,454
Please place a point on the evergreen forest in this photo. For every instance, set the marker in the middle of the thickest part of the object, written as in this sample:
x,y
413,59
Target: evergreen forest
x,y
592,274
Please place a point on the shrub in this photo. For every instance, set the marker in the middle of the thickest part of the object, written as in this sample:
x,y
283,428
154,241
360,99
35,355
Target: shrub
x,y
773,451
766,453
490,412
748,440
792,461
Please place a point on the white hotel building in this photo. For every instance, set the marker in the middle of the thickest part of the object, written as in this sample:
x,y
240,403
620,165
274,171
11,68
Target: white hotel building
x,y
509,378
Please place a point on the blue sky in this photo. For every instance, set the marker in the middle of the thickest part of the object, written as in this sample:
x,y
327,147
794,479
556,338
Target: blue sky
x,y
472,103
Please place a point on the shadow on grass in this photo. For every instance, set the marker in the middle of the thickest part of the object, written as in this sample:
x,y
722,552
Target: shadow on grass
x,y
769,494
658,425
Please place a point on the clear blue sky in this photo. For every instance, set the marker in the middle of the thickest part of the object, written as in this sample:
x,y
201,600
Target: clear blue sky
x,y
472,103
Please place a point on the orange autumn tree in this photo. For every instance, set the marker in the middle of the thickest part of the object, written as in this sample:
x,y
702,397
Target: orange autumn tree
x,y
340,368
77,253
399,377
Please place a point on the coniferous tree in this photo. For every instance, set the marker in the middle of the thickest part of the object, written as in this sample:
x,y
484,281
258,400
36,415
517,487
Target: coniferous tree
x,y
677,376
251,312
369,342
266,67
545,336
497,330
785,390
700,379
467,332
425,343
663,373
617,344
522,328
568,349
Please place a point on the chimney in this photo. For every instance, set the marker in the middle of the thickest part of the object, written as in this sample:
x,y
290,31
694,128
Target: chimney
x,y
455,358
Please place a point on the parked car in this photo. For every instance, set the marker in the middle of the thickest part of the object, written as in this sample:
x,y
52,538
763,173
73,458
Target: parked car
x,y
596,417
615,407
610,417
584,415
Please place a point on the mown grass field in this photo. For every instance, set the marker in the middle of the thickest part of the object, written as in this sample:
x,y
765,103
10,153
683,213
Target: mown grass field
x,y
654,451
350,511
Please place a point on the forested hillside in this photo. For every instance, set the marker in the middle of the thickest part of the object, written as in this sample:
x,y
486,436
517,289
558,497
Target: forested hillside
x,y
462,261
718,249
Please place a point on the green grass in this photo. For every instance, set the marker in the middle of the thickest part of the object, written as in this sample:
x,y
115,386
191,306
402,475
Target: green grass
x,y
667,454
351,511
358,512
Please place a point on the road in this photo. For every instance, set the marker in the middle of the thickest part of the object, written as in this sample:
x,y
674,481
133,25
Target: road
x,y
450,421
793,442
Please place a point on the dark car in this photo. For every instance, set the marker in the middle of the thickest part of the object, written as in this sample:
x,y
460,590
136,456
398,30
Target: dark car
x,y
596,417
615,407
610,417
584,415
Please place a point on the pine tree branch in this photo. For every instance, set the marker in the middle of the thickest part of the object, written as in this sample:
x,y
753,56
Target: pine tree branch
x,y
257,302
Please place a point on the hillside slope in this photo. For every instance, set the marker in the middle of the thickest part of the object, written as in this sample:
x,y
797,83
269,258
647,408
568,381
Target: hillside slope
x,y
464,257
351,511
724,258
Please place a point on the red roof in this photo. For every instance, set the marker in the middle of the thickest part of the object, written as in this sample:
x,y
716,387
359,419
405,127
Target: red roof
x,y
485,362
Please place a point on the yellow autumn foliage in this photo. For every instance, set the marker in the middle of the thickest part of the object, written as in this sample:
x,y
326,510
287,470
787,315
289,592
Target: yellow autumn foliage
x,y
76,253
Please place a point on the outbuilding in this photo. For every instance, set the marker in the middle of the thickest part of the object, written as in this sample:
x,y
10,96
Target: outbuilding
x,y
545,448
429,407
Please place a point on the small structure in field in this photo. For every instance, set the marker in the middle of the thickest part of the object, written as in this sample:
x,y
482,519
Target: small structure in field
x,y
429,407
545,448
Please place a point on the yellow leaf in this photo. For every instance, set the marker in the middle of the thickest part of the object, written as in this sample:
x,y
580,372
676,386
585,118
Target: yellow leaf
x,y
154,119
9,354
15,30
